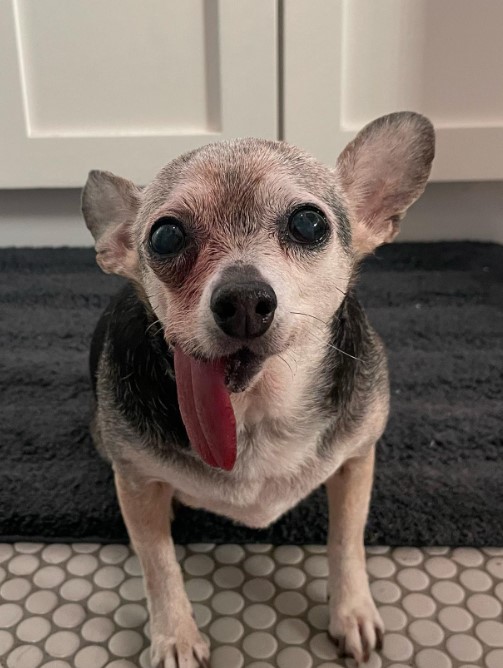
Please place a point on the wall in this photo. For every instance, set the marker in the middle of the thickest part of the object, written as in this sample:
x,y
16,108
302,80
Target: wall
x,y
446,211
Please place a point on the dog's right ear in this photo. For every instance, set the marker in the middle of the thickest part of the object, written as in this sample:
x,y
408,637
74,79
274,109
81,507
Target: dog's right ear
x,y
109,206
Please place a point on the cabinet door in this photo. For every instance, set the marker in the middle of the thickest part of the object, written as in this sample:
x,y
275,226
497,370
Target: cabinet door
x,y
348,61
127,85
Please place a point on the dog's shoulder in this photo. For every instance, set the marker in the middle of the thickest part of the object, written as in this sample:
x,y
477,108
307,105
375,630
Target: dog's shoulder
x,y
129,356
354,373
356,354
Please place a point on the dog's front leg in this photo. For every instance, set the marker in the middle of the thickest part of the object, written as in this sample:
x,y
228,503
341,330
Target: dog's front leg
x,y
355,624
176,641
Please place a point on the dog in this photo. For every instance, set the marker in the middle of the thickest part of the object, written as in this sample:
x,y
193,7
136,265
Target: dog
x,y
237,371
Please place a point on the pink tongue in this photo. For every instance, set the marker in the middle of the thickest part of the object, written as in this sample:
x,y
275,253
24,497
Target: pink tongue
x,y
206,410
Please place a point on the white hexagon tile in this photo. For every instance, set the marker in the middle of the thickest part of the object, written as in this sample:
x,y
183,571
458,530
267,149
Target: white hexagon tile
x,y
83,606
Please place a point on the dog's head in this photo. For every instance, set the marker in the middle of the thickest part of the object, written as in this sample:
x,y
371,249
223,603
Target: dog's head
x,y
239,245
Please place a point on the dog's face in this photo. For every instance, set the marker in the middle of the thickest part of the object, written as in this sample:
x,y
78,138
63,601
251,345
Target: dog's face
x,y
243,247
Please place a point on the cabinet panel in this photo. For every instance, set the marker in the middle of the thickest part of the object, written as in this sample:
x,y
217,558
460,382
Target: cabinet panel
x,y
97,88
126,86
361,59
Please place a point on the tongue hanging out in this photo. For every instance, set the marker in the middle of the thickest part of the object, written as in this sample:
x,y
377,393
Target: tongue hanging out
x,y
206,409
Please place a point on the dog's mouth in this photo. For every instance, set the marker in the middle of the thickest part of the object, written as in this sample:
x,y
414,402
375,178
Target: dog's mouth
x,y
204,389
240,369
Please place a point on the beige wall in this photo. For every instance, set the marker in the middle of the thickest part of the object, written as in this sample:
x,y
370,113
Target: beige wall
x,y
446,211
469,210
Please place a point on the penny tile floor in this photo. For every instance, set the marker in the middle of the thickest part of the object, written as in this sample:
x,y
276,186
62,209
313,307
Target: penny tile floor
x,y
83,606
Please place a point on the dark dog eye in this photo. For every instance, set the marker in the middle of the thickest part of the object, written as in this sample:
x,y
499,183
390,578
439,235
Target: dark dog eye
x,y
307,226
167,237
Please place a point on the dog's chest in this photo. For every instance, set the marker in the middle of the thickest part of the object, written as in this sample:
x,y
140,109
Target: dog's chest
x,y
278,460
274,471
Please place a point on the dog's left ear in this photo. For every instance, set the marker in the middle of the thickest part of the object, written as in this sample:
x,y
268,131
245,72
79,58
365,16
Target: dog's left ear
x,y
382,172
109,206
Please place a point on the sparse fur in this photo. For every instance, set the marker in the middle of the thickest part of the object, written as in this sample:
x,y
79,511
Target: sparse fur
x,y
318,400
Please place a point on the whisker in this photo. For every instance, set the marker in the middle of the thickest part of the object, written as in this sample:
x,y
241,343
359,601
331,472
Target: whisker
x,y
308,315
339,350
284,360
156,322
331,345
293,358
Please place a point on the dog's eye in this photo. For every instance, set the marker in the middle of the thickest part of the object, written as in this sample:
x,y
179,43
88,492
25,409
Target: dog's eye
x,y
167,237
307,225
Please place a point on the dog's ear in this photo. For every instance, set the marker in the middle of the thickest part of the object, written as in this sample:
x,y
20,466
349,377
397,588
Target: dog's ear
x,y
109,206
382,172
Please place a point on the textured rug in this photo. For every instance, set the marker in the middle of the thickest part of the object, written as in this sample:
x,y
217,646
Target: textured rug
x,y
439,479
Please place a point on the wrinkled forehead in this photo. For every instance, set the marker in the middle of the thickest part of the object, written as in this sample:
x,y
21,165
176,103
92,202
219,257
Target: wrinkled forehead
x,y
234,181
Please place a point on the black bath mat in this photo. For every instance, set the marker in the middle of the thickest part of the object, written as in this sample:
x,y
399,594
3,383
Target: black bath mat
x,y
439,479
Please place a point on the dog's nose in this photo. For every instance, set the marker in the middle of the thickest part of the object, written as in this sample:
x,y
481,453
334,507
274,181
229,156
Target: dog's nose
x,y
244,310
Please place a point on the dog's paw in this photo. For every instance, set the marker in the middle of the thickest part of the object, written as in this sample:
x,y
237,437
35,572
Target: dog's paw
x,y
356,627
183,647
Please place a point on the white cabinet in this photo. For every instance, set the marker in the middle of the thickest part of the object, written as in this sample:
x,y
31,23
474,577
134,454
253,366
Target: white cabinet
x,y
127,85
348,61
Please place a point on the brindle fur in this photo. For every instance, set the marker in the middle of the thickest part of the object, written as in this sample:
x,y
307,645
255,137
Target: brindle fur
x,y
140,370
313,411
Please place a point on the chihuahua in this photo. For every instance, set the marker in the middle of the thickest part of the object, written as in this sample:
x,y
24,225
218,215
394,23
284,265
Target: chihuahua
x,y
237,371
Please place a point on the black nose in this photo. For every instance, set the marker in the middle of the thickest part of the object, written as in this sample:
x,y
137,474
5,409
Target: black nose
x,y
244,310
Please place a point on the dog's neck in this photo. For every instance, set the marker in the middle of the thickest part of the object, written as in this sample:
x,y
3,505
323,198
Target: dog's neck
x,y
280,389
320,367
